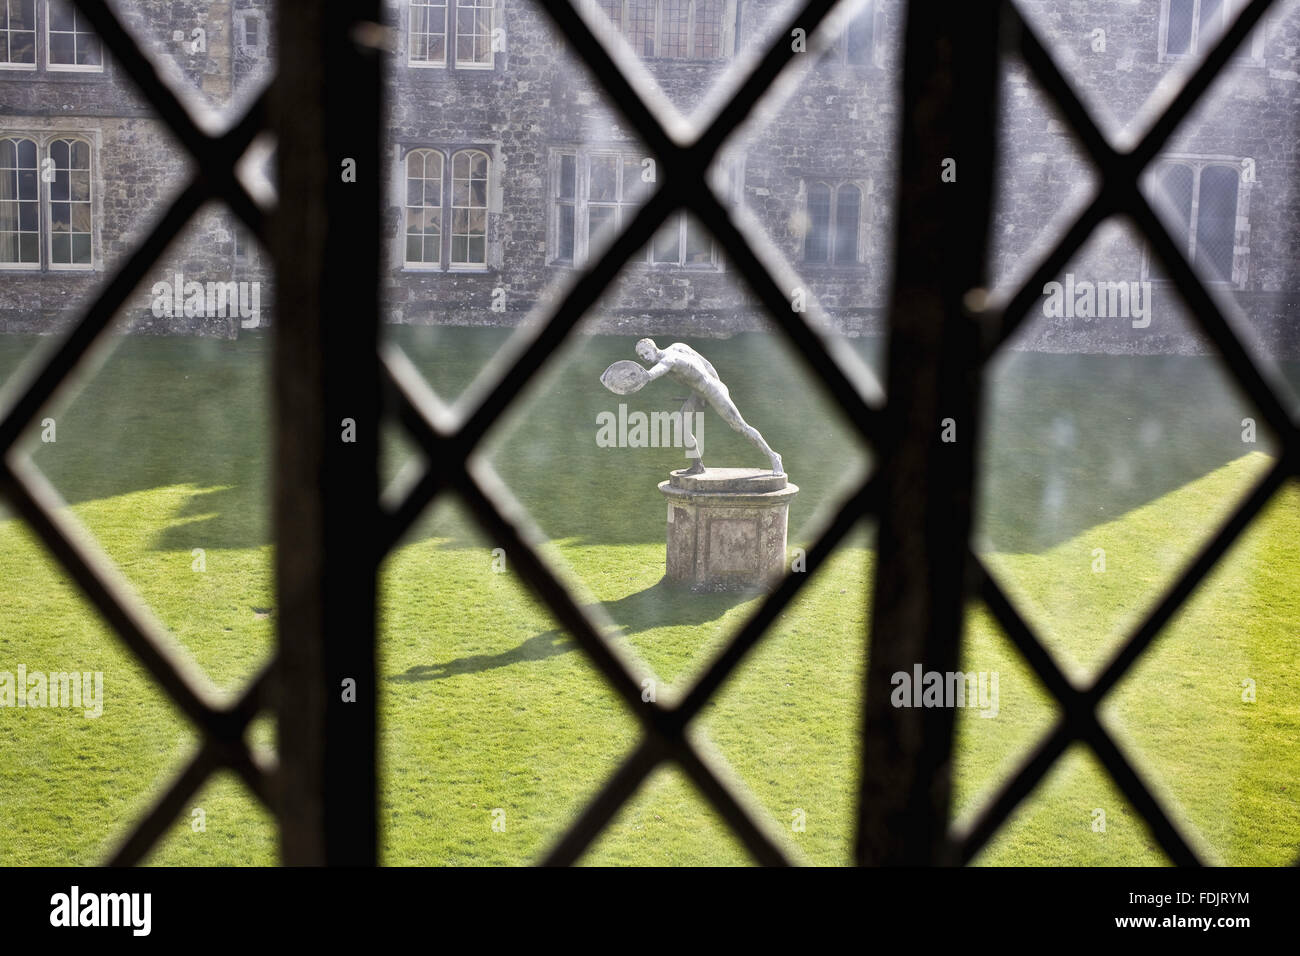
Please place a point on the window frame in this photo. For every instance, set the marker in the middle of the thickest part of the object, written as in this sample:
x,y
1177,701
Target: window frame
x,y
449,209
864,188
241,248
557,200
726,30
681,222
422,266
581,201
430,64
581,204
49,201
36,45
1252,54
838,54
450,60
44,141
336,631
36,266
454,36
50,65
241,18
1198,163
447,156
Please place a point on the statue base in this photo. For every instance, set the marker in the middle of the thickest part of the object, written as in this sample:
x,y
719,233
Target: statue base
x,y
727,528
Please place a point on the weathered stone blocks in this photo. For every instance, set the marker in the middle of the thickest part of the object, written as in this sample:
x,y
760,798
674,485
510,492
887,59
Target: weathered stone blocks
x,y
727,528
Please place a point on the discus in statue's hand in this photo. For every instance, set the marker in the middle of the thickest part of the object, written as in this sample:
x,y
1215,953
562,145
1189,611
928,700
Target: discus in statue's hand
x,y
624,378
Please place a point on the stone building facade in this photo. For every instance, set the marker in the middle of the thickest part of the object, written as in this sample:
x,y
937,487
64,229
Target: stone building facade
x,y
505,168
65,105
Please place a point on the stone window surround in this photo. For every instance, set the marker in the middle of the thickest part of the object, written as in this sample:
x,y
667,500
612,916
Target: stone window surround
x,y
43,139
493,206
251,13
643,260
866,187
1250,53
449,60
1241,252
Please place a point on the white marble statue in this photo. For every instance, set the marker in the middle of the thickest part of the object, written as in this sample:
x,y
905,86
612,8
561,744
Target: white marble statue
x,y
690,368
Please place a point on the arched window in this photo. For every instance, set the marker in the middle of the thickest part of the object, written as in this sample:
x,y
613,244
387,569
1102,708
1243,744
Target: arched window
x,y
848,208
1216,221
70,205
817,241
1177,183
469,179
20,207
423,208
1199,197
1174,191
834,218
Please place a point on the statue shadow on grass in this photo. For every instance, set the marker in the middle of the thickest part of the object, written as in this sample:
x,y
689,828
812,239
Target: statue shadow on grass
x,y
661,605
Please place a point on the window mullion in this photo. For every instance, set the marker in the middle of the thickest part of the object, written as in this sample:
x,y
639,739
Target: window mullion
x,y
446,214
328,90
43,190
553,206
832,240
581,185
1194,214
44,215
453,21
921,581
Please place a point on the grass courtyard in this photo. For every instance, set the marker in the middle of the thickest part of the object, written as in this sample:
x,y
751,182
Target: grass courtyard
x,y
487,706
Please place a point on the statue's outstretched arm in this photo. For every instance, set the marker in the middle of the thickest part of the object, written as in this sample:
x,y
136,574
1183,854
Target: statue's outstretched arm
x,y
658,370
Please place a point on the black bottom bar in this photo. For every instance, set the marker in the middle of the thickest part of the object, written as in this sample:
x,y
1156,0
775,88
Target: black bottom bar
x,y
978,908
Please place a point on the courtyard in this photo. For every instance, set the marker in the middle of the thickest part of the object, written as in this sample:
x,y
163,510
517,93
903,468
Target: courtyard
x,y
494,728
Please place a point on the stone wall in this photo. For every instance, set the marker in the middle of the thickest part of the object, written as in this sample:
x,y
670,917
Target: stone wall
x,y
835,123
137,169
1249,119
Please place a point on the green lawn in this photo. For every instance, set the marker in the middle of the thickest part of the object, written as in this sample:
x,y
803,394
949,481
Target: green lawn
x,y
487,706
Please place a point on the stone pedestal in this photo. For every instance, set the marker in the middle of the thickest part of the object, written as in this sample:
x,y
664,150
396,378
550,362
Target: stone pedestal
x,y
727,528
